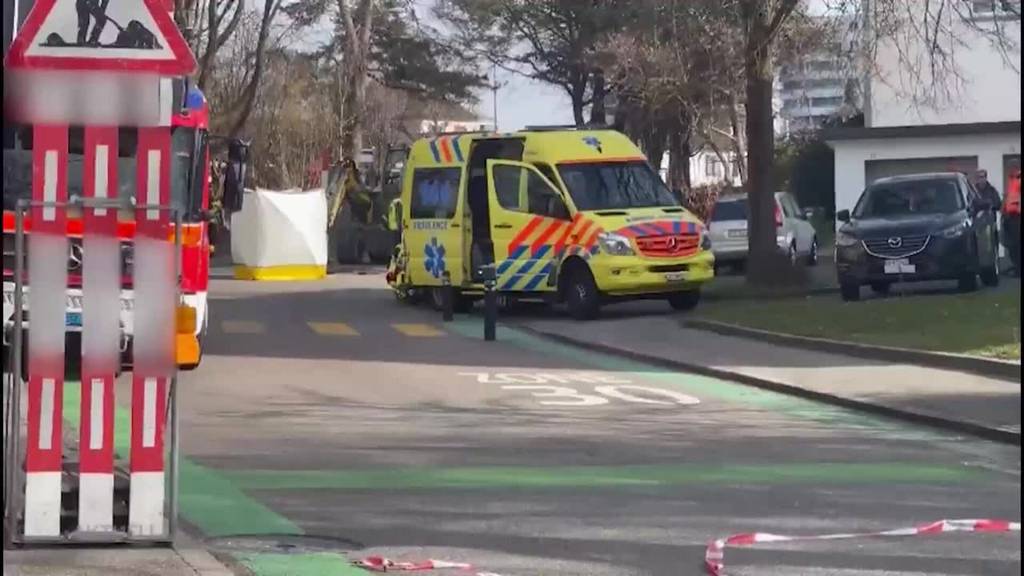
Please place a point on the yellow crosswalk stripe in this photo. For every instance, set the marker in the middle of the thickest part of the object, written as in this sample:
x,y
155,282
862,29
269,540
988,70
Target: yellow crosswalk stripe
x,y
242,327
333,329
418,330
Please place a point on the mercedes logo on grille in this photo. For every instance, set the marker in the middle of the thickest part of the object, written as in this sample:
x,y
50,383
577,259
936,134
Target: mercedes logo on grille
x,y
895,242
75,257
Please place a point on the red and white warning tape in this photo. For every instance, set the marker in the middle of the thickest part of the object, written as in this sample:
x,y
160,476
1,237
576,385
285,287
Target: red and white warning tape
x,y
381,564
714,556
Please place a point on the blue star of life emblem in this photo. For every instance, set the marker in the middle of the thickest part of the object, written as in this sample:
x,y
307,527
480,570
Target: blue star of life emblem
x,y
593,142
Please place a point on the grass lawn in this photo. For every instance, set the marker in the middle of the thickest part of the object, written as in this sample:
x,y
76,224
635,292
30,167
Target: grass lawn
x,y
985,323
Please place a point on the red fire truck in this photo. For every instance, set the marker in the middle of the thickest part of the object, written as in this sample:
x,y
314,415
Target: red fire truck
x,y
190,193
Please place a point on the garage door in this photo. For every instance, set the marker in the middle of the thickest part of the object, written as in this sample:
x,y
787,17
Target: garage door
x,y
875,169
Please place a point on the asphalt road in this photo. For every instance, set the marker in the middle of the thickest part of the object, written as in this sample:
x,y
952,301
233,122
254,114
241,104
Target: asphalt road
x,y
329,422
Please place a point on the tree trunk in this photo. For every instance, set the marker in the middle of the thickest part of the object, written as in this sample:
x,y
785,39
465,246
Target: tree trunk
x,y
598,114
678,161
737,141
577,96
687,153
248,98
356,63
654,140
764,261
354,107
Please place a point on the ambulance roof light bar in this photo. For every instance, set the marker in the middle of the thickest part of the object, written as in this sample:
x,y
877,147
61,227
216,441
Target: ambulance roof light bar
x,y
564,127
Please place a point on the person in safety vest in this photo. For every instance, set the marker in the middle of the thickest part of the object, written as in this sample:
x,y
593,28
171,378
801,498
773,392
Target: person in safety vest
x,y
395,220
357,194
1011,219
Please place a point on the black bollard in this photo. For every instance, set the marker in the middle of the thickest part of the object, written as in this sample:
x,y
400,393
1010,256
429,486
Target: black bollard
x,y
447,298
490,304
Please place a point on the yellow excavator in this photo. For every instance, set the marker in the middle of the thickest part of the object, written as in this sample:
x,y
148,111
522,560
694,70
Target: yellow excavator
x,y
359,197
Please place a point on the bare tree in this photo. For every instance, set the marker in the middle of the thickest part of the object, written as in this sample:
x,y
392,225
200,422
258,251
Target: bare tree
x,y
358,26
208,25
915,47
247,98
548,40
234,88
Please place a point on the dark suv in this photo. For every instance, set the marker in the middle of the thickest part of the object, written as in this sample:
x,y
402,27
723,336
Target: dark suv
x,y
917,228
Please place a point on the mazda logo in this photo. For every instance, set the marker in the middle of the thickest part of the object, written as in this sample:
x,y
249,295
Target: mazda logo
x,y
895,242
75,257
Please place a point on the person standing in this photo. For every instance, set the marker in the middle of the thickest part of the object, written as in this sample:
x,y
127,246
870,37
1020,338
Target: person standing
x,y
987,191
1011,219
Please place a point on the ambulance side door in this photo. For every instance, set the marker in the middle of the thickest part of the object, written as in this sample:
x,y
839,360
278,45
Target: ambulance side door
x,y
529,220
433,233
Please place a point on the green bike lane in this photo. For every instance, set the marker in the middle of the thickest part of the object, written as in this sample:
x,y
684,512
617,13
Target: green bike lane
x,y
529,457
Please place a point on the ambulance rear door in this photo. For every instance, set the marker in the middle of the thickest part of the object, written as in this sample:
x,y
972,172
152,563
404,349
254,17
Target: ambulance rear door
x,y
433,234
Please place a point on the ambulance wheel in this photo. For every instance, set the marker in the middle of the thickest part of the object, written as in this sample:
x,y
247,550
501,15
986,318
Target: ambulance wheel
x,y
684,301
581,294
403,295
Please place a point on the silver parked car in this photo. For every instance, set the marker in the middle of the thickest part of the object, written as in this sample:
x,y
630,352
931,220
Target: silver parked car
x,y
728,230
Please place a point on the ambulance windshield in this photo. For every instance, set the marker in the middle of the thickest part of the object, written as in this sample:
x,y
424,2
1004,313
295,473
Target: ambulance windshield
x,y
615,185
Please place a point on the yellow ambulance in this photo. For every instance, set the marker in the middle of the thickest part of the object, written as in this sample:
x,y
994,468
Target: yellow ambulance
x,y
569,215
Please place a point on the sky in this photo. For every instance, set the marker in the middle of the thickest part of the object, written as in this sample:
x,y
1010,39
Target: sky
x,y
523,102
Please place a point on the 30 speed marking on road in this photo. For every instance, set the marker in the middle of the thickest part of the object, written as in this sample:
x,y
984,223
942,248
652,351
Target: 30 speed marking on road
x,y
544,378
605,389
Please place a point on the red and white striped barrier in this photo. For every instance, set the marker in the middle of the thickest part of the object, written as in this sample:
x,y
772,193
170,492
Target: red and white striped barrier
x,y
153,346
101,289
714,556
381,564
155,297
47,262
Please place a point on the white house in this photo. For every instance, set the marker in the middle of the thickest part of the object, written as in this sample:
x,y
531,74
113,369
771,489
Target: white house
x,y
965,125
707,169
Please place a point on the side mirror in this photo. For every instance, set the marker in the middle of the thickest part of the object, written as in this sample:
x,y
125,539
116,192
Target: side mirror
x,y
236,175
558,209
843,215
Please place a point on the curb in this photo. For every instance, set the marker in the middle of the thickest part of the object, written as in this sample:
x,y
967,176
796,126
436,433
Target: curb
x,y
1001,369
822,291
199,558
935,421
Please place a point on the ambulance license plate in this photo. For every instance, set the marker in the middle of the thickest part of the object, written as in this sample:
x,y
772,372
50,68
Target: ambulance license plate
x,y
675,276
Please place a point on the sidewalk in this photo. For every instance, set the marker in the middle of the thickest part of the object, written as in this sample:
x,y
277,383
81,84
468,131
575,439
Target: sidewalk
x,y
187,559
967,403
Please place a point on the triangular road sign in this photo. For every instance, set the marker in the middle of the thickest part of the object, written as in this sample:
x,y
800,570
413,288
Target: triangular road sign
x,y
107,35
